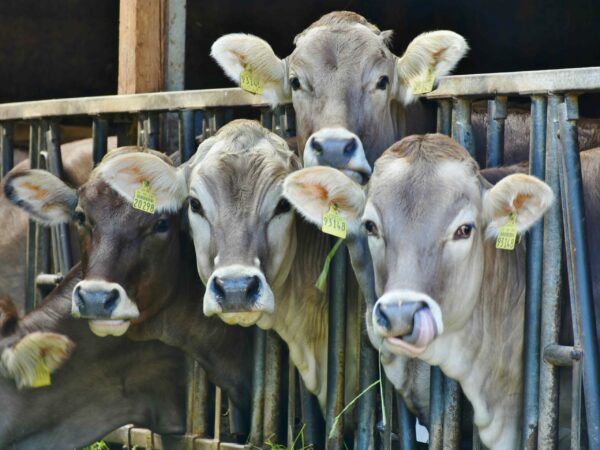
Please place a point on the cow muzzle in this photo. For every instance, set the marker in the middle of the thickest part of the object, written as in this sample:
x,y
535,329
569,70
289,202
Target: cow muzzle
x,y
106,305
407,321
238,294
340,149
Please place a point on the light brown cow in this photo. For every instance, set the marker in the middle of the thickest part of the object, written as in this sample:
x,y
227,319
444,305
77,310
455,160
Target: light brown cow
x,y
351,94
446,294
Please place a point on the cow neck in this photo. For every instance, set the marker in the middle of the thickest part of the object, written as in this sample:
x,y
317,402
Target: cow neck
x,y
301,314
209,341
490,369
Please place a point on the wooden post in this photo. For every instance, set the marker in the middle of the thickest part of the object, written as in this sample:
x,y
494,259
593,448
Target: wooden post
x,y
141,46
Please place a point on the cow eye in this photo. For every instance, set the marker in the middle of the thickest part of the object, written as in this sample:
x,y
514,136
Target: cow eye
x,y
371,228
80,218
162,225
382,83
196,206
464,231
282,207
295,83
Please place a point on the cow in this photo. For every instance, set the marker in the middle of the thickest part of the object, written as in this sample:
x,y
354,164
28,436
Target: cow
x,y
446,294
103,384
138,268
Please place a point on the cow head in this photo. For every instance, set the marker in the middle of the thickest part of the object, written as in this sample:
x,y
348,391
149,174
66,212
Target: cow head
x,y
344,82
241,226
431,221
128,255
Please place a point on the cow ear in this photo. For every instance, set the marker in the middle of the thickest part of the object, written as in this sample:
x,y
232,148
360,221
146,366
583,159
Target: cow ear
x,y
45,197
522,195
428,57
238,52
129,172
312,191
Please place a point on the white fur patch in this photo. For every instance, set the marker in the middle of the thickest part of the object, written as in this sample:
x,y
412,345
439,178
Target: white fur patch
x,y
126,173
20,363
126,308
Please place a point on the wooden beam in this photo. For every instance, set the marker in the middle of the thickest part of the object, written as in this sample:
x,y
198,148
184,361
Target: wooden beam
x,y
141,46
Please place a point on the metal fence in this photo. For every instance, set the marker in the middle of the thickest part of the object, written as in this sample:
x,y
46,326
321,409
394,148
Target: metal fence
x,y
554,156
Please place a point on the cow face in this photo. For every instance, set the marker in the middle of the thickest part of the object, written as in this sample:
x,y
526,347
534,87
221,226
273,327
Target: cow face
x,y
128,256
431,220
243,229
344,82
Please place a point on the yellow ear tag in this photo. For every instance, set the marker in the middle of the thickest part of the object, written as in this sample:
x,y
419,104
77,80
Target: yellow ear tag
x,y
250,82
507,237
42,375
334,223
423,84
144,199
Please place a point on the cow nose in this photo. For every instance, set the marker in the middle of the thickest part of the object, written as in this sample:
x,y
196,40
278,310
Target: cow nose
x,y
237,294
96,303
397,317
328,149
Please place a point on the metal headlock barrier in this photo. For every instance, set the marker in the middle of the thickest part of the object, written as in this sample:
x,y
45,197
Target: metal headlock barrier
x,y
554,157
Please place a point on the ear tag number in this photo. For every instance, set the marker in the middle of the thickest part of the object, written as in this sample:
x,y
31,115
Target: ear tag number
x,y
423,84
250,82
334,223
144,199
42,375
507,237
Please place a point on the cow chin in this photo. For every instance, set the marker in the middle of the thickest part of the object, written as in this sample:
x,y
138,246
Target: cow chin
x,y
104,328
244,319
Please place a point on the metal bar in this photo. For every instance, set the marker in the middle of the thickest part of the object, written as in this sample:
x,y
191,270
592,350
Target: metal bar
x,y
32,231
452,408
42,246
152,131
387,412
408,439
258,388
291,403
141,129
495,131
436,409
100,138
272,409
335,351
187,143
7,129
366,404
551,285
533,290
198,400
312,418
576,406
562,355
444,117
266,118
462,130
580,261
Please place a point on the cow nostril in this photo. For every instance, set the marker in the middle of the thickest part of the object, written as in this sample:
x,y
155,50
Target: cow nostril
x,y
382,318
111,300
79,298
218,289
253,288
350,147
317,147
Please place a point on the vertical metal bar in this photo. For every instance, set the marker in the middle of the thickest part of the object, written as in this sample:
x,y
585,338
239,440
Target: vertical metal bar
x,y
444,117
451,427
335,351
7,129
56,167
152,131
99,138
291,404
533,292
582,277
32,232
551,284
576,407
258,388
388,403
272,411
312,418
366,404
187,142
42,247
436,407
463,131
495,131
406,420
141,131
198,400
266,118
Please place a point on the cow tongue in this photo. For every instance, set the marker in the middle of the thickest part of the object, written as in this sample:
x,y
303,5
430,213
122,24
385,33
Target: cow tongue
x,y
423,332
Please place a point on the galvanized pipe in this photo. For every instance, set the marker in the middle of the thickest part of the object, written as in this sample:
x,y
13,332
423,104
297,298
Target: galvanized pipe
x,y
452,409
7,129
444,117
388,407
258,388
291,404
462,130
32,229
533,290
406,420
187,142
495,131
551,284
577,244
198,399
272,403
366,404
562,355
152,130
141,129
436,409
99,138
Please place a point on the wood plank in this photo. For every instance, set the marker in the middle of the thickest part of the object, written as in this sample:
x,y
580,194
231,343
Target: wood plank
x,y
141,46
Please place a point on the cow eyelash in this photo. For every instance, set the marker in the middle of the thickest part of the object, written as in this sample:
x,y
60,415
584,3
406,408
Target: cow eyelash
x,y
283,206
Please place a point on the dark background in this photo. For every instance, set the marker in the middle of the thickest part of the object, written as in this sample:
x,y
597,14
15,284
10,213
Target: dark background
x,y
69,48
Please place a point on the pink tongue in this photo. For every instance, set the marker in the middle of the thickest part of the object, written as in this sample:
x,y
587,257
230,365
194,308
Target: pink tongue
x,y
427,329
